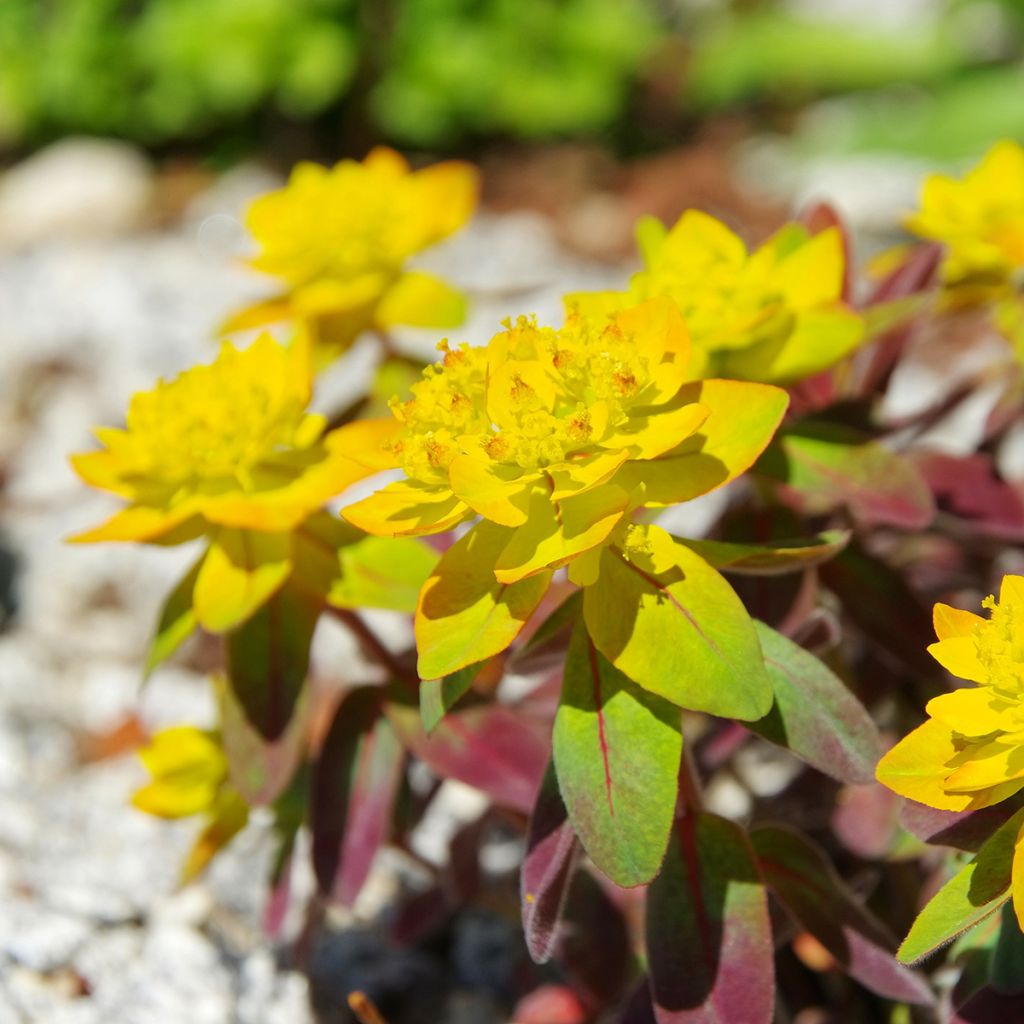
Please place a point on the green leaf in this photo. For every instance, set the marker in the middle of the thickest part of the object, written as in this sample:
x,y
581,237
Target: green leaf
x,y
465,615
267,659
769,559
709,940
260,769
241,570
383,572
971,895
683,634
814,714
616,751
825,466
438,696
177,622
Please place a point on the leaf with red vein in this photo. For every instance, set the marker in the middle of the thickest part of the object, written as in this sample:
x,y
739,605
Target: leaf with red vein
x,y
616,751
490,747
682,634
355,780
800,875
709,942
547,869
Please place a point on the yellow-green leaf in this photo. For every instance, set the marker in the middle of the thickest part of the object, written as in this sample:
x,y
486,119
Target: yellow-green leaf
x,y
681,633
465,615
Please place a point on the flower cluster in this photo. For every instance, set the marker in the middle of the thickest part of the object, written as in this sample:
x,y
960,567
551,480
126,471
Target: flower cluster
x,y
556,436
339,239
226,451
969,754
979,220
774,315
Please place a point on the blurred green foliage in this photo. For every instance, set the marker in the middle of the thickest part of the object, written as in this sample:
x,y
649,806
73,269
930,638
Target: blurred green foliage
x,y
435,72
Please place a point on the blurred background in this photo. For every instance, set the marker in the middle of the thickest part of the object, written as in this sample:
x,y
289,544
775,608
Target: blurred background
x,y
132,135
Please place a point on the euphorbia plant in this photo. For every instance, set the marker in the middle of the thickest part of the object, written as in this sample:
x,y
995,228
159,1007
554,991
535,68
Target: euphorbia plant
x,y
540,463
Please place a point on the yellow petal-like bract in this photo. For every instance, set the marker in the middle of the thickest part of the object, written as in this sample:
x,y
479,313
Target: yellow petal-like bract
x,y
979,218
227,444
339,239
774,315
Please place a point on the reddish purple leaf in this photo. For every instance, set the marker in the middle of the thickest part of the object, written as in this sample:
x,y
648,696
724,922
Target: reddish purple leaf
x,y
594,943
963,830
547,869
822,466
260,769
639,1009
801,876
970,488
866,819
490,747
709,942
987,1006
871,366
355,780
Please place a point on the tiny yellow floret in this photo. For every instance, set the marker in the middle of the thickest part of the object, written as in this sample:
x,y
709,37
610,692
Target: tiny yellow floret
x,y
339,239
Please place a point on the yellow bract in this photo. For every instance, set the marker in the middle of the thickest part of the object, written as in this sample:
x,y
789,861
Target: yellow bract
x,y
224,445
979,219
339,239
190,776
774,315
554,436
969,754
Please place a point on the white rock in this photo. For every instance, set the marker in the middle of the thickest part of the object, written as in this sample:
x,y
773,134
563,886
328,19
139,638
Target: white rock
x,y
77,187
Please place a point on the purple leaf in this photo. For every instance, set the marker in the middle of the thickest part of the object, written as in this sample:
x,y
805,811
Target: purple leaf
x,y
547,869
709,942
355,780
639,1009
987,1006
823,466
801,876
964,830
491,747
970,488
866,819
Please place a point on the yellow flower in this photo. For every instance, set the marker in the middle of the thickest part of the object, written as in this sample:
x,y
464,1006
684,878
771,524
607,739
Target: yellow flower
x,y
969,754
229,451
979,219
190,776
228,444
339,240
554,437
775,315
